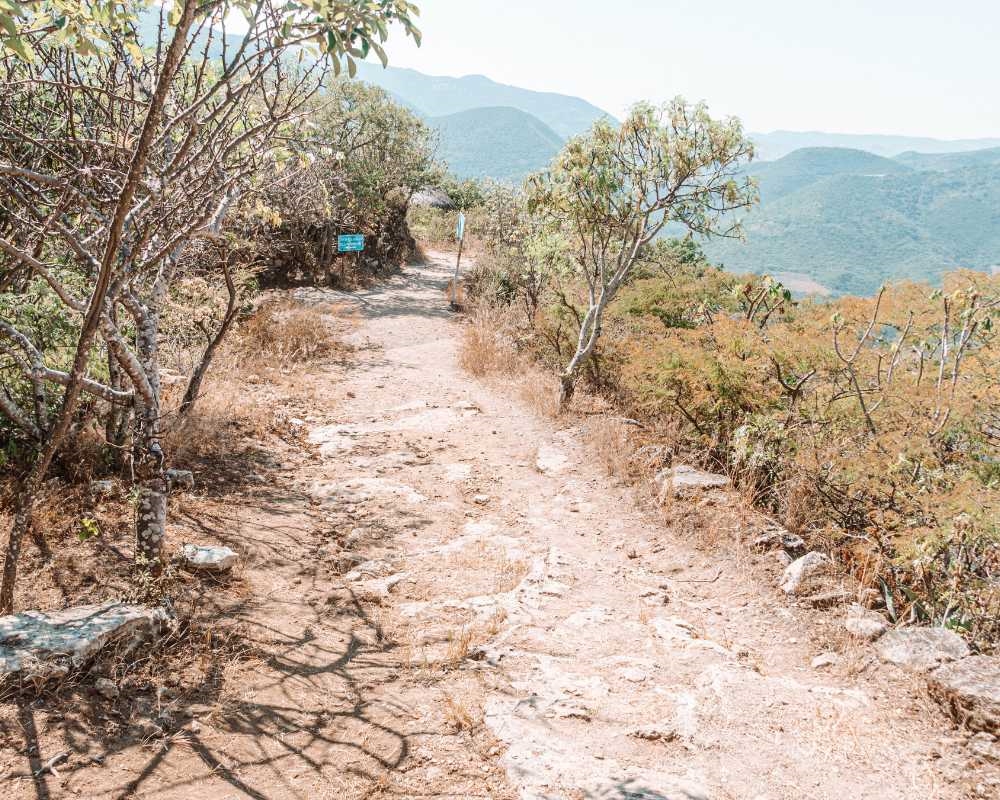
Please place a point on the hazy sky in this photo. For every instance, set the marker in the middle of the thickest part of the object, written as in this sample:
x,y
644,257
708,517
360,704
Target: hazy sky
x,y
912,67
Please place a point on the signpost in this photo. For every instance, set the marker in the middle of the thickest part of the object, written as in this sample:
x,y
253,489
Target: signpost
x,y
350,243
460,235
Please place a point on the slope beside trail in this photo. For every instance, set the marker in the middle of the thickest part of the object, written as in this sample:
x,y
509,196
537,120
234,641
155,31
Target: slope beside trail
x,y
448,597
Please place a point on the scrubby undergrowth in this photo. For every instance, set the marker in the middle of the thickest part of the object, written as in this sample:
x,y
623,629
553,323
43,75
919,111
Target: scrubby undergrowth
x,y
871,426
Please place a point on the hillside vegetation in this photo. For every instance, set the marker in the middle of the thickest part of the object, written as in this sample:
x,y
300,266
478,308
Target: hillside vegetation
x,y
853,221
869,426
777,144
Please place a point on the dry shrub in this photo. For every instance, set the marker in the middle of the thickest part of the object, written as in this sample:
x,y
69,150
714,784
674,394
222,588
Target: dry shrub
x,y
459,646
460,716
540,392
283,331
611,441
224,416
488,346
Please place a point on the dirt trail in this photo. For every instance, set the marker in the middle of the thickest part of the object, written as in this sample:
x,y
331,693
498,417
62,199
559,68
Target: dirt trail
x,y
609,659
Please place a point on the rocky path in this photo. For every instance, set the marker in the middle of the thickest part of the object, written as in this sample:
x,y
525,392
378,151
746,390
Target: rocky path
x,y
616,661
445,596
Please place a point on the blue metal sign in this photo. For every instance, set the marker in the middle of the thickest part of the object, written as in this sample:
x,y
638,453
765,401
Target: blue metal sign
x,y
460,228
350,243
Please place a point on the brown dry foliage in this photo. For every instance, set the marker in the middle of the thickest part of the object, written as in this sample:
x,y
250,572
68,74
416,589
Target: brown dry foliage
x,y
488,347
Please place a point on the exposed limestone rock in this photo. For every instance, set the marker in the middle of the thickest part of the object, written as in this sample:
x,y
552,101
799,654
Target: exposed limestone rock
x,y
377,590
921,649
986,747
797,574
102,487
550,460
864,623
208,559
969,690
684,481
34,643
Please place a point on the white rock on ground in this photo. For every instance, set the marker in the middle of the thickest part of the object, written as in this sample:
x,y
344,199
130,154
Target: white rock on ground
x,y
921,649
35,643
864,623
796,573
824,660
209,559
969,690
682,481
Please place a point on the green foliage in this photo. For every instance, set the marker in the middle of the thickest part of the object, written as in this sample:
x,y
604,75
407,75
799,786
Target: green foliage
x,y
348,29
609,194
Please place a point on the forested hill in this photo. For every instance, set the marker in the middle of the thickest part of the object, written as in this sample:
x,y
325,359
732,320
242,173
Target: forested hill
x,y
852,220
501,143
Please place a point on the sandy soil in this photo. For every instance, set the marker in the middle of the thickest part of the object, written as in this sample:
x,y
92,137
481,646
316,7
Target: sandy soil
x,y
446,596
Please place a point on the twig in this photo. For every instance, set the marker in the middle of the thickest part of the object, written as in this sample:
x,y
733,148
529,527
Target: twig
x,y
50,765
696,580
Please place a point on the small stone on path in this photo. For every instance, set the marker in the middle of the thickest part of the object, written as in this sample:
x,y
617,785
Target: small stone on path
x,y
209,559
797,573
864,623
824,660
682,481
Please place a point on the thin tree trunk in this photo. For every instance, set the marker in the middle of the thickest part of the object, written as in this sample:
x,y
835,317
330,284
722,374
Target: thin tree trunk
x,y
194,385
60,427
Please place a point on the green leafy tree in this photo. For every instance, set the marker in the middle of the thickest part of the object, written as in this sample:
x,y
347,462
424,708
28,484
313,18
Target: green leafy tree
x,y
613,190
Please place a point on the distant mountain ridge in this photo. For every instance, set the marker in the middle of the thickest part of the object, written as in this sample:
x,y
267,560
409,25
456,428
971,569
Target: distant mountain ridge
x,y
437,96
777,144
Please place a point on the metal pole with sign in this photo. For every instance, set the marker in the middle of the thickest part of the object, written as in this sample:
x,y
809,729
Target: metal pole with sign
x,y
460,235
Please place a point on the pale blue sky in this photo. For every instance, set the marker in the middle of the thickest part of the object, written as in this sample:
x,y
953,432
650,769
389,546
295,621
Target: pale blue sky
x,y
852,66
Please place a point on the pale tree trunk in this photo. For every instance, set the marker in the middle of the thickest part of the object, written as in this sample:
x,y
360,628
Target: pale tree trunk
x,y
151,513
590,330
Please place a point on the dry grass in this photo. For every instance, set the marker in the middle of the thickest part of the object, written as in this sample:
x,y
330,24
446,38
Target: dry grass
x,y
509,573
286,332
540,392
459,646
460,716
611,441
488,347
